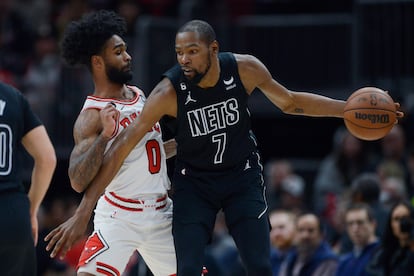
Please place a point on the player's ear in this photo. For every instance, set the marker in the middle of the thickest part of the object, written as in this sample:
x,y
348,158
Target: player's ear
x,y
214,46
96,60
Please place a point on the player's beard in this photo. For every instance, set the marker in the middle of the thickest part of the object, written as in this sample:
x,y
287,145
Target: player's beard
x,y
199,76
118,76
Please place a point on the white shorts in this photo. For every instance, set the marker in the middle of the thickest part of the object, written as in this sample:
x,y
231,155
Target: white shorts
x,y
122,226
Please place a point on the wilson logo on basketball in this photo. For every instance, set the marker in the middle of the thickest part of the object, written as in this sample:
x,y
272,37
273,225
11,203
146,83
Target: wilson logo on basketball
x,y
374,118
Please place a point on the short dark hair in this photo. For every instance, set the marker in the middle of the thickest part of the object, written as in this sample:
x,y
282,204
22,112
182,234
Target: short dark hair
x,y
361,206
321,227
367,186
201,27
87,36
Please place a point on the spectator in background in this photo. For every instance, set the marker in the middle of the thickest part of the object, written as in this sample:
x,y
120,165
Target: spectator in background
x,y
282,237
393,182
312,256
69,10
394,175
410,164
366,188
36,12
395,256
129,10
42,78
394,151
393,144
275,172
360,225
348,158
16,40
285,188
389,168
392,191
293,193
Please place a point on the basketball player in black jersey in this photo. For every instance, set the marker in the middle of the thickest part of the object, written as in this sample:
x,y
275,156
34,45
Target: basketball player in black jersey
x,y
21,130
217,164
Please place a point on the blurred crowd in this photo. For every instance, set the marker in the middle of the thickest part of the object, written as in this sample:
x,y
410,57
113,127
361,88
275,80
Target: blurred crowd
x,y
354,215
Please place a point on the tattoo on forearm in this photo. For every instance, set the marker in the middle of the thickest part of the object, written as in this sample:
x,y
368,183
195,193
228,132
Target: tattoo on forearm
x,y
90,166
87,165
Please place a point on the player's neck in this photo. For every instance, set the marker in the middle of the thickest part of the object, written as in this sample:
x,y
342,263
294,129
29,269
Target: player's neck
x,y
112,90
212,76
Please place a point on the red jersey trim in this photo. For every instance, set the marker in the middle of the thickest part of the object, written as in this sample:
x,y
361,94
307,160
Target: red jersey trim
x,y
134,89
106,269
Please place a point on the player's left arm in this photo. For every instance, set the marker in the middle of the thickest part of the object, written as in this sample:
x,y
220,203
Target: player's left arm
x,y
39,146
254,74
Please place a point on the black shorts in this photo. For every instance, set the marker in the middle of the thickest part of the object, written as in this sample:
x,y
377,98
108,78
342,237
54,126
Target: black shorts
x,y
198,196
17,251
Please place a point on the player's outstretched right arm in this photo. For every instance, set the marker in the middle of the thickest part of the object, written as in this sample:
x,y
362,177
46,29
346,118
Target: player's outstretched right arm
x,y
254,74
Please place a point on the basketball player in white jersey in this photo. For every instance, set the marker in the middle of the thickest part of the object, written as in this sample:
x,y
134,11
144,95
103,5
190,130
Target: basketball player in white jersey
x,y
134,212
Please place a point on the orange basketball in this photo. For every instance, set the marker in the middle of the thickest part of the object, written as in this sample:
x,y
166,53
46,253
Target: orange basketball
x,y
369,113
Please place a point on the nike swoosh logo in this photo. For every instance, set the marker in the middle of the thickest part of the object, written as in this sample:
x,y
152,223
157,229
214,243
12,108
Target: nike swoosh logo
x,y
228,82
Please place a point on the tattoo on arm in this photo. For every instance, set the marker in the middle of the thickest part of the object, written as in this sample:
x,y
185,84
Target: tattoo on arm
x,y
85,167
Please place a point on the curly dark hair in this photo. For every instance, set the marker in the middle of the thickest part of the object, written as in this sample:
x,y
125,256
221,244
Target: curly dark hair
x,y
87,36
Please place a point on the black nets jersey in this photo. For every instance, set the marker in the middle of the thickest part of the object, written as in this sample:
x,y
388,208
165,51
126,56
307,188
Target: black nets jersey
x,y
213,126
16,119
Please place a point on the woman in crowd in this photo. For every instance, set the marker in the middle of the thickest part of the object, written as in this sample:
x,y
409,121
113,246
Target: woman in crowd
x,y
396,254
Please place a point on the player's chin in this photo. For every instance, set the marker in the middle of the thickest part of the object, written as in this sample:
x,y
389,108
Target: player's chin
x,y
188,75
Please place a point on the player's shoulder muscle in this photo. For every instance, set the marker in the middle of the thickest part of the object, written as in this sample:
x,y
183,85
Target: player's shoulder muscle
x,y
252,71
87,125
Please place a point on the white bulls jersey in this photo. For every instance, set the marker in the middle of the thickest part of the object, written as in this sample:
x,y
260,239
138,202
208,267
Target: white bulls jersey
x,y
144,170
